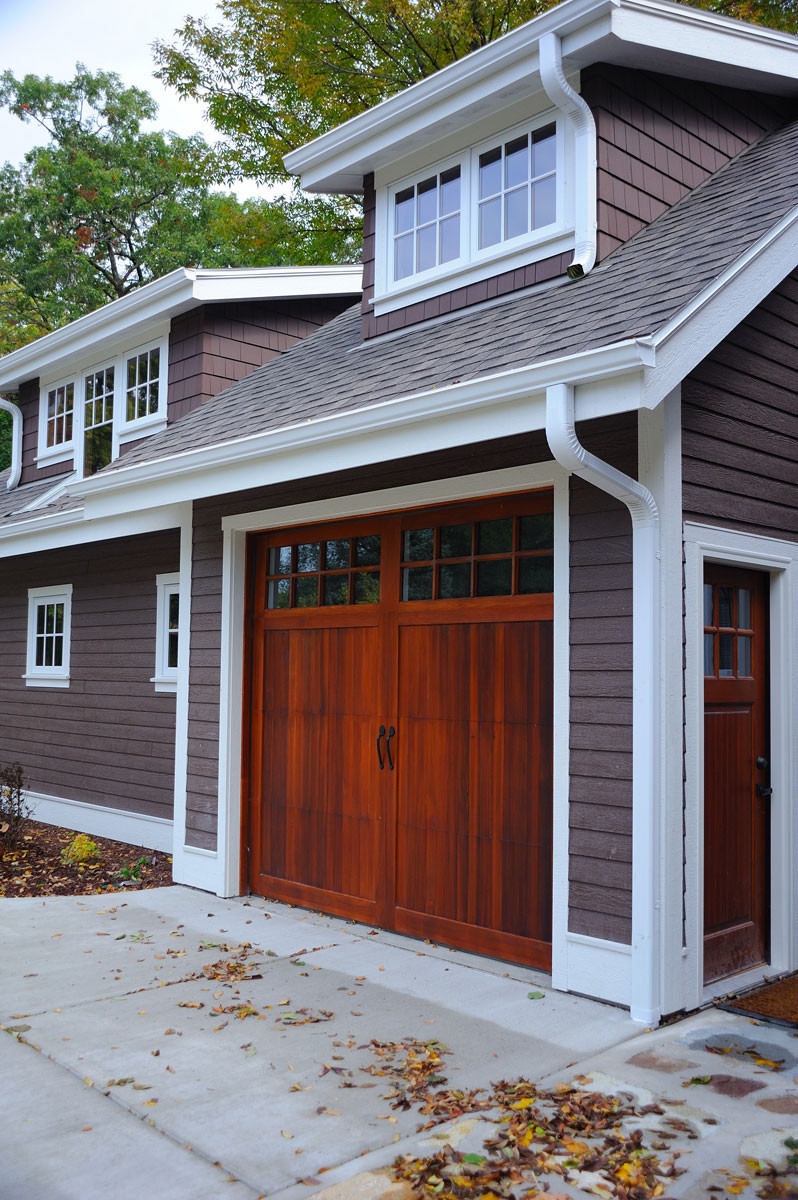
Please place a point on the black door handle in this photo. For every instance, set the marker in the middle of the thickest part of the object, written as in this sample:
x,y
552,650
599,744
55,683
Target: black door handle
x,y
380,736
391,734
763,790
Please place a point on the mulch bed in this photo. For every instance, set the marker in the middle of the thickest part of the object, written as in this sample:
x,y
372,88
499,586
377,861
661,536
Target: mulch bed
x,y
774,1002
35,867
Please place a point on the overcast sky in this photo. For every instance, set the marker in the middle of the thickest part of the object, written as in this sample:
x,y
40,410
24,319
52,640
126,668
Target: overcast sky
x,y
47,37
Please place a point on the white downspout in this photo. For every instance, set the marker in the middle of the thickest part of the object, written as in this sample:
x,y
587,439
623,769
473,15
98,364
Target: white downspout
x,y
16,440
563,96
645,1001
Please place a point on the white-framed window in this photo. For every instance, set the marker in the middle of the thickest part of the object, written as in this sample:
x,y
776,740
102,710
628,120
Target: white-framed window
x,y
145,384
57,420
167,632
91,415
499,204
49,634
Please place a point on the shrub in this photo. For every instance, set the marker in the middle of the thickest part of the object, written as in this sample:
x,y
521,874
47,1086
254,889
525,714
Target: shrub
x,y
14,807
80,849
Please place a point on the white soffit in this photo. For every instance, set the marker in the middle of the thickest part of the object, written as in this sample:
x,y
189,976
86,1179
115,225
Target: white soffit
x,y
654,35
151,307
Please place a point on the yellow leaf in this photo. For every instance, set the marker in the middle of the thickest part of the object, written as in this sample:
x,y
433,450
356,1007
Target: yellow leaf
x,y
287,1136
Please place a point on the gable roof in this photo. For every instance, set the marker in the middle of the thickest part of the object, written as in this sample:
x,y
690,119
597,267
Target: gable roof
x,y
637,291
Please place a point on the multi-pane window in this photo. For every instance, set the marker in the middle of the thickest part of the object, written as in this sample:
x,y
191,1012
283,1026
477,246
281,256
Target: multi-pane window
x,y
509,556
517,187
60,414
143,384
167,632
49,623
98,416
728,631
427,224
320,574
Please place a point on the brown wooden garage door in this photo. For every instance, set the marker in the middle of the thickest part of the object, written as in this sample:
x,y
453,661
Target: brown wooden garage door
x,y
400,709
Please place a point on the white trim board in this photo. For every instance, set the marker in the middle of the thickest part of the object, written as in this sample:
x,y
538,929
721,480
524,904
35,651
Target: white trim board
x,y
153,833
71,529
705,543
598,968
235,529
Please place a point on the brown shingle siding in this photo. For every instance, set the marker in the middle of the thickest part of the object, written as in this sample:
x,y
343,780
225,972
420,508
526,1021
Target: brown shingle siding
x,y
108,738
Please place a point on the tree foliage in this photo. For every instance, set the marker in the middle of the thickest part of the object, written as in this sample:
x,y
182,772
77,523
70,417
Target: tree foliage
x,y
276,73
105,206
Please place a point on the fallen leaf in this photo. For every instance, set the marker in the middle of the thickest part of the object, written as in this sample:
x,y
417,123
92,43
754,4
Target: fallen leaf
x,y
535,995
287,1136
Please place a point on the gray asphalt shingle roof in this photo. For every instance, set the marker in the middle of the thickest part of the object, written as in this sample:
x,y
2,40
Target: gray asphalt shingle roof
x,y
640,287
632,294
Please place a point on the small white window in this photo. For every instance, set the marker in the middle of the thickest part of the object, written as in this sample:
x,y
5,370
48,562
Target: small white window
x,y
98,419
142,384
517,187
167,633
426,224
60,414
49,631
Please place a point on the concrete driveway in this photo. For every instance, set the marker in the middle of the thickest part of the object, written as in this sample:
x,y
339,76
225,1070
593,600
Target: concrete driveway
x,y
170,1044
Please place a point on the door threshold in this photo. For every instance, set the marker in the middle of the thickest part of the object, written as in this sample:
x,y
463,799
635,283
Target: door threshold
x,y
731,984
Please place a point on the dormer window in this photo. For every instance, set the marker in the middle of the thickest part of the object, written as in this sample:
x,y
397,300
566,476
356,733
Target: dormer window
x,y
493,207
60,414
90,417
518,187
427,224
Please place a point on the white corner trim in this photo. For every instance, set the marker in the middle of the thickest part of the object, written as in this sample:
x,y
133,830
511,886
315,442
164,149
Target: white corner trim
x,y
599,968
139,829
561,718
706,543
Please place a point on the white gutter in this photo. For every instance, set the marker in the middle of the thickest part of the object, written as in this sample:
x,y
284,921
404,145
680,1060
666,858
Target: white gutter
x,y
623,358
563,96
645,1002
16,441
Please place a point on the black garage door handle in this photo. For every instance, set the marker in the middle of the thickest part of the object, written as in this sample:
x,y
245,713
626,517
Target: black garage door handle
x,y
380,736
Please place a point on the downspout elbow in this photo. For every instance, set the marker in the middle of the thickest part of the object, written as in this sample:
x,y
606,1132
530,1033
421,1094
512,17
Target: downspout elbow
x,y
578,113
16,441
572,455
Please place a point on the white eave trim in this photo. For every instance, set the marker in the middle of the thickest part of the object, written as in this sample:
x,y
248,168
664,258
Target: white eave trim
x,y
504,387
156,302
590,30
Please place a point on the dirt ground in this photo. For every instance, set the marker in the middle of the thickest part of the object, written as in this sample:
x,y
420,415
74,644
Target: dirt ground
x,y
35,867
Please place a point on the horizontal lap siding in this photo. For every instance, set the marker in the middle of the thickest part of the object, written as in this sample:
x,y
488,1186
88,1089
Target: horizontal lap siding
x,y
206,618
28,400
600,840
109,738
213,346
739,427
660,137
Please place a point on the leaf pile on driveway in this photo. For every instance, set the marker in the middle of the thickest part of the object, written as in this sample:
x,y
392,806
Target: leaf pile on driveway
x,y
36,868
580,1137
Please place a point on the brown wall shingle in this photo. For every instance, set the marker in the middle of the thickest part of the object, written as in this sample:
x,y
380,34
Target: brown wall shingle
x,y
109,738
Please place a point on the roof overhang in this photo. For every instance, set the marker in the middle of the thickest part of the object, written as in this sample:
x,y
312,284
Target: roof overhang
x,y
654,35
155,303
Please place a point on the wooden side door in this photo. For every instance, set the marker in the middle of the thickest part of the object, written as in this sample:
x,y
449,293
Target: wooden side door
x,y
736,772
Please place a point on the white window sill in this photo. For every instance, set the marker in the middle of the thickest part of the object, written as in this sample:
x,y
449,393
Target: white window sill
x,y
48,681
163,683
147,425
560,241
56,454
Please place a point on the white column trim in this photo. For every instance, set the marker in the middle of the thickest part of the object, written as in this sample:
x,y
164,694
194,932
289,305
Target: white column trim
x,y
705,543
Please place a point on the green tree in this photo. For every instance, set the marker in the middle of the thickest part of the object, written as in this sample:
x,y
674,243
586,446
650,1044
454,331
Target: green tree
x,y
276,73
104,207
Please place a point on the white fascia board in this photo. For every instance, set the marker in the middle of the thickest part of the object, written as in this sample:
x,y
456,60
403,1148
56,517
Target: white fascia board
x,y
652,33
503,404
133,317
684,341
58,530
